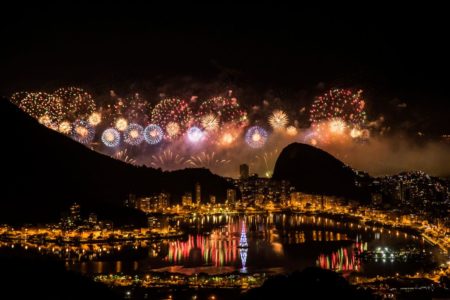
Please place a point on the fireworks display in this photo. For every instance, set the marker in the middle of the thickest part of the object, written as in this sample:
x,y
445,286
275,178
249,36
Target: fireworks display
x,y
82,132
124,156
343,104
210,122
168,160
225,110
65,127
267,161
153,134
291,131
41,104
256,137
134,134
76,102
95,118
121,124
136,108
218,126
355,133
17,97
111,137
172,129
45,120
336,126
173,112
195,134
278,120
206,160
227,138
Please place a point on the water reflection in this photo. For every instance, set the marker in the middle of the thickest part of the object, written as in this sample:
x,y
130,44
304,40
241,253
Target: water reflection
x,y
344,259
200,250
271,243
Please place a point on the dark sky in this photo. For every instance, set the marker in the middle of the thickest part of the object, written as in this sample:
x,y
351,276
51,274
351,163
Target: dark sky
x,y
395,54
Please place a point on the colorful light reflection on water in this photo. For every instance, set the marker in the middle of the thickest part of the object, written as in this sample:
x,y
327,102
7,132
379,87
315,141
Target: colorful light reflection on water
x,y
344,259
202,250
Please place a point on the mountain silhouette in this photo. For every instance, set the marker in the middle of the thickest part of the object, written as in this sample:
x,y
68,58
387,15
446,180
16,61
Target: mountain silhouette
x,y
312,170
45,172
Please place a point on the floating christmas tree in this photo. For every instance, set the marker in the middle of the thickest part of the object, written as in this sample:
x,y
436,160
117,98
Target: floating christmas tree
x,y
243,240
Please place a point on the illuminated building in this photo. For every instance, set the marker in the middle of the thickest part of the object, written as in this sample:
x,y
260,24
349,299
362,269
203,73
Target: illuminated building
x,y
92,219
212,199
157,223
143,204
186,200
231,196
75,216
155,202
244,171
159,201
295,199
198,194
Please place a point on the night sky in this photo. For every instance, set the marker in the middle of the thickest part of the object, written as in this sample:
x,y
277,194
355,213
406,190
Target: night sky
x,y
397,55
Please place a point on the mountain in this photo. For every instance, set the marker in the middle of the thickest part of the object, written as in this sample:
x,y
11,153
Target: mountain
x,y
44,172
315,171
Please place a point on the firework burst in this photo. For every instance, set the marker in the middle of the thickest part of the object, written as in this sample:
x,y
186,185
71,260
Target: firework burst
x,y
137,109
41,104
344,104
195,134
77,103
95,118
256,137
45,120
206,160
65,127
17,97
172,111
134,134
121,124
172,130
82,132
124,156
227,138
291,131
210,122
336,126
278,120
111,137
227,110
153,134
267,160
167,160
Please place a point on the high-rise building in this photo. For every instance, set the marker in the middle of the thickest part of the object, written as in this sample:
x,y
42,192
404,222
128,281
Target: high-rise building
x,y
212,199
75,212
186,200
144,204
92,219
231,196
198,193
244,171
164,201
